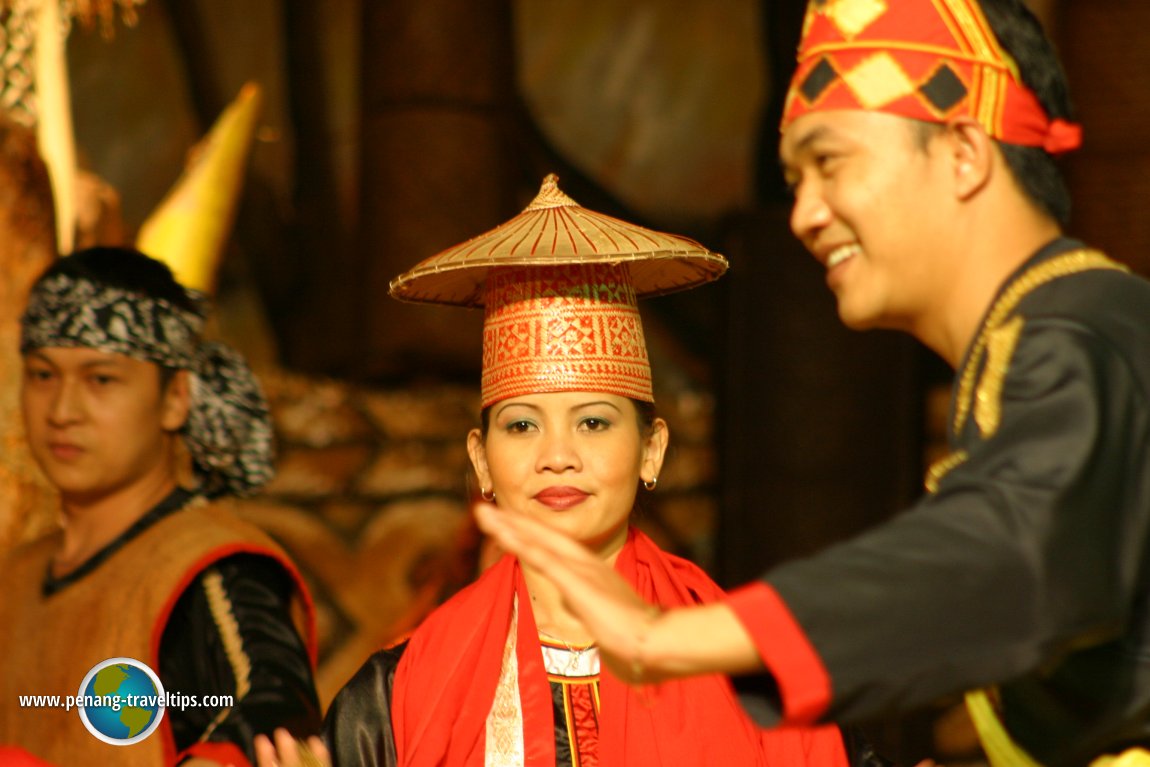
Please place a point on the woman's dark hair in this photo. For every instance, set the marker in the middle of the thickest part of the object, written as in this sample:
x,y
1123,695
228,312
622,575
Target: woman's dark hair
x,y
1021,34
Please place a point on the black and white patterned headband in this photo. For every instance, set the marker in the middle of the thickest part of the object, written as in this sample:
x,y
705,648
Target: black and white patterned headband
x,y
228,431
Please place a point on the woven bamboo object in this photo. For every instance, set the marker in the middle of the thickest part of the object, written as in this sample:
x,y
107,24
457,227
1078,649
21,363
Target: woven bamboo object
x,y
553,230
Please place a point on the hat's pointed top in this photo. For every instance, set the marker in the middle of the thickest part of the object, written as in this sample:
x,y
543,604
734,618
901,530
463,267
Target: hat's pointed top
x,y
554,230
550,196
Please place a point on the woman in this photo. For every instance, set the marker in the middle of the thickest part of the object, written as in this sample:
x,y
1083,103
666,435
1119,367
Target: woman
x,y
503,674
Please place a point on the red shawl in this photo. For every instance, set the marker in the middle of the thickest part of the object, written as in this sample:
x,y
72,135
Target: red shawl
x,y
13,756
445,684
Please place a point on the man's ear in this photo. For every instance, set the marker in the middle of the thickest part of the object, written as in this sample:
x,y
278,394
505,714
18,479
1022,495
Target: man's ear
x,y
973,153
177,401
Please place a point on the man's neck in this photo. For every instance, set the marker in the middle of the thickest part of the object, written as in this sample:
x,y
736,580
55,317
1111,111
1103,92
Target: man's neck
x,y
90,524
994,250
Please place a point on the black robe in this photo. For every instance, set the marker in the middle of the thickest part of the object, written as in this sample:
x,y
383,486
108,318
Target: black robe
x,y
1027,567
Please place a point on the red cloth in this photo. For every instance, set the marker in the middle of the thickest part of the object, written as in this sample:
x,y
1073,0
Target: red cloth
x,y
804,682
894,56
11,756
446,681
220,753
583,724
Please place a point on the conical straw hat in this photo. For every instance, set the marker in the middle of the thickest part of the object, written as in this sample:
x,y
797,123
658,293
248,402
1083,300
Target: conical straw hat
x,y
554,230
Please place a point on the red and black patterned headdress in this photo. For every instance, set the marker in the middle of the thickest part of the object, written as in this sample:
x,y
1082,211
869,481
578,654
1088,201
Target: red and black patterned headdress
x,y
931,60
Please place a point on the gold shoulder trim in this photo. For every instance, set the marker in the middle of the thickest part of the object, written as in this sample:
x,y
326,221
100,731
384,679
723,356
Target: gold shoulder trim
x,y
229,628
1000,345
941,468
1060,266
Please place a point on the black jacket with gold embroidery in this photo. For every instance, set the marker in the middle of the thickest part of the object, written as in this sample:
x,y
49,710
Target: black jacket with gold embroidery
x,y
1026,566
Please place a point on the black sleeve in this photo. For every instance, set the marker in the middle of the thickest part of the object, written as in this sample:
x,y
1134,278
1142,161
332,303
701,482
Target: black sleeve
x,y
357,728
231,633
1029,551
860,751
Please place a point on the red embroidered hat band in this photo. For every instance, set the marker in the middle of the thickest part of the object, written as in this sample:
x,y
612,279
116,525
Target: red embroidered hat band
x,y
930,60
560,285
570,327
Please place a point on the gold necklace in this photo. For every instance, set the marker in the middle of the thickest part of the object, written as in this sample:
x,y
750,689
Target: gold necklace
x,y
576,653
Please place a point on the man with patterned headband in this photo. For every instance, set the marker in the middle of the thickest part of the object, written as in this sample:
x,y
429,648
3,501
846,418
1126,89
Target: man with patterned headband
x,y
919,139
143,428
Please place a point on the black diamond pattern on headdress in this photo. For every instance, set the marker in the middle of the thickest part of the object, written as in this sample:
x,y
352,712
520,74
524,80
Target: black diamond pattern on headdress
x,y
818,79
944,89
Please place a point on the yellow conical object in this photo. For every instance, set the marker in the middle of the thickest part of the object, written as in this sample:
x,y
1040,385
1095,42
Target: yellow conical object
x,y
188,229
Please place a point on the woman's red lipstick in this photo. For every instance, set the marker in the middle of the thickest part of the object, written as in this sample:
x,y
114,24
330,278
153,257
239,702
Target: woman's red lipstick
x,y
560,498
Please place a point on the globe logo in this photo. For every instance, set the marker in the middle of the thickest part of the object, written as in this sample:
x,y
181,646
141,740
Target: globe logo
x,y
121,701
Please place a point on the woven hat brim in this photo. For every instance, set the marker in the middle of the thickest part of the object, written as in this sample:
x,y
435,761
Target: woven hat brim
x,y
560,234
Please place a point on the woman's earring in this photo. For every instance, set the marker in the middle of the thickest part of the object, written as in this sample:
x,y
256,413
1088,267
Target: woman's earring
x,y
483,494
651,483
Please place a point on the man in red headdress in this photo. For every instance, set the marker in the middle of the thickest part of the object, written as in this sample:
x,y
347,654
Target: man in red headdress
x,y
919,139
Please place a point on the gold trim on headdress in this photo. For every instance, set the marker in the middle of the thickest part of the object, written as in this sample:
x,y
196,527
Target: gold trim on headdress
x,y
563,327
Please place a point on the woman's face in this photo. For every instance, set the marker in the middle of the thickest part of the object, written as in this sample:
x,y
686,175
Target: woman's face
x,y
573,459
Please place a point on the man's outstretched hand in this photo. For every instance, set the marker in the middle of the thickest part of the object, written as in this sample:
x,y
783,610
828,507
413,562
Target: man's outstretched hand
x,y
637,641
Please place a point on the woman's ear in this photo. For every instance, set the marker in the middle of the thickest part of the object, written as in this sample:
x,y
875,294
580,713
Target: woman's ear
x,y
478,454
654,450
177,401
